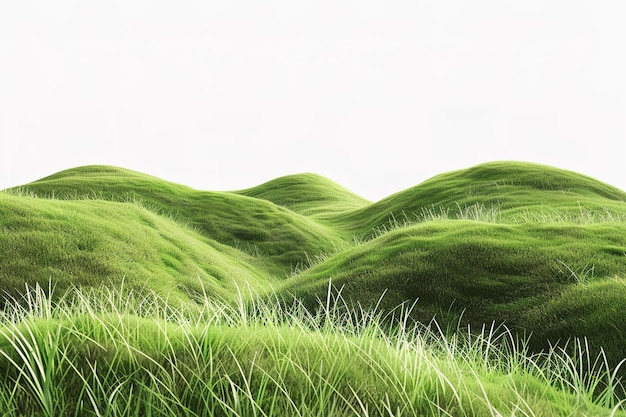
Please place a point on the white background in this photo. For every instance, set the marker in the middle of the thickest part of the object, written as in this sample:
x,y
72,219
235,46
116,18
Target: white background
x,y
375,95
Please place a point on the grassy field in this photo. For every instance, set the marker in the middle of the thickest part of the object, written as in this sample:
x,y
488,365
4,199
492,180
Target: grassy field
x,y
494,290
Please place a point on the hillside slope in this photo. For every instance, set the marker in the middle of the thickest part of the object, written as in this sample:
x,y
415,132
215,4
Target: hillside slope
x,y
88,243
536,247
308,194
512,191
198,300
555,280
279,237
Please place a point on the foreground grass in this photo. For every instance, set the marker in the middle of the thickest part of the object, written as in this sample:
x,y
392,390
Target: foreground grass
x,y
108,352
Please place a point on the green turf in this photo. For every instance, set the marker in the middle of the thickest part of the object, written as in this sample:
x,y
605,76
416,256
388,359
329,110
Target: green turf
x,y
516,190
540,249
88,242
280,237
485,272
308,194
117,353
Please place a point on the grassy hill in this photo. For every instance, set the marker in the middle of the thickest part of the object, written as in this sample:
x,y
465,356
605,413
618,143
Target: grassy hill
x,y
537,248
555,280
88,242
308,194
509,192
280,237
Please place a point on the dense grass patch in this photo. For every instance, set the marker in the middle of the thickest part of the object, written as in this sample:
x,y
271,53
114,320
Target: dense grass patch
x,y
441,261
551,280
277,236
86,243
308,194
515,190
106,352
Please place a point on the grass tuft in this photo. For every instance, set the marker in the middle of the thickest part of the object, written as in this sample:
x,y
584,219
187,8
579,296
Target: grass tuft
x,y
96,353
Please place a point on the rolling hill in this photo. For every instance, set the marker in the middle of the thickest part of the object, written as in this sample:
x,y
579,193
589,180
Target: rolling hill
x,y
514,192
282,237
307,194
494,220
540,249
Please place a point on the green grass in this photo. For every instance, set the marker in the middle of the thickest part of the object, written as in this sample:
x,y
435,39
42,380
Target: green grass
x,y
536,248
516,190
280,237
308,194
87,242
108,352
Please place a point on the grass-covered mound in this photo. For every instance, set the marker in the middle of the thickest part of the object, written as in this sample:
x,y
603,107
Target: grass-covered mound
x,y
281,237
85,243
555,280
475,264
500,191
308,194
